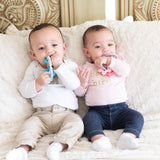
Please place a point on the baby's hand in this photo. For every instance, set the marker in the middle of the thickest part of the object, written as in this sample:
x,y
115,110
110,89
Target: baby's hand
x,y
44,78
56,60
83,74
121,57
102,61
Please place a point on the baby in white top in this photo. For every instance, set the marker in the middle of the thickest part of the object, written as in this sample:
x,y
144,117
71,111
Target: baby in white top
x,y
54,101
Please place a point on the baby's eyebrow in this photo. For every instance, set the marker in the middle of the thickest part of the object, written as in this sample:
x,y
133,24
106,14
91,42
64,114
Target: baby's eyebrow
x,y
110,40
96,42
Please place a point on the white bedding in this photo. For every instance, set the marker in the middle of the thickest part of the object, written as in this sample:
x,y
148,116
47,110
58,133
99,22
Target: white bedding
x,y
140,44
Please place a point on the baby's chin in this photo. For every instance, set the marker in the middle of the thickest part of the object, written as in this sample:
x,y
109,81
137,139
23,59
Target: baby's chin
x,y
43,65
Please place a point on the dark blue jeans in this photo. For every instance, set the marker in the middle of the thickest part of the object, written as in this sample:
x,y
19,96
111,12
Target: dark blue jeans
x,y
112,117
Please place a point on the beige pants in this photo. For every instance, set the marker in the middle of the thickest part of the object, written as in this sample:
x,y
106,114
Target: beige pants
x,y
64,123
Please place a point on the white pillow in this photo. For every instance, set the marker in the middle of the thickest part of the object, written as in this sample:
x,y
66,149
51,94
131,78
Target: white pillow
x,y
138,41
14,60
128,19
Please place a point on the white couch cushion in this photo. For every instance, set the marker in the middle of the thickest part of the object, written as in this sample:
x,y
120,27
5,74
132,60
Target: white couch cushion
x,y
14,60
138,41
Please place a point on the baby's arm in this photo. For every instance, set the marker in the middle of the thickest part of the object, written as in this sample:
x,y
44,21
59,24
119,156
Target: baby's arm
x,y
83,74
118,65
43,79
102,62
29,86
67,76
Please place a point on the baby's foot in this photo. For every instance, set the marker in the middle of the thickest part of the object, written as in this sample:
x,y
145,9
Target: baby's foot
x,y
102,144
53,151
17,154
127,141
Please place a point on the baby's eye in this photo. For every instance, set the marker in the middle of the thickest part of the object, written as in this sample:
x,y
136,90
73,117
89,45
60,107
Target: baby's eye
x,y
97,46
41,48
110,44
54,45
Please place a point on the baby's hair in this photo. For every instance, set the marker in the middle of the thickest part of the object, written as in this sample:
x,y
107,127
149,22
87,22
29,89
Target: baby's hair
x,y
94,28
44,25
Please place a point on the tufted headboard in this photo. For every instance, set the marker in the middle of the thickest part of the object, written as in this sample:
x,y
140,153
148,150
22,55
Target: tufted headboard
x,y
26,14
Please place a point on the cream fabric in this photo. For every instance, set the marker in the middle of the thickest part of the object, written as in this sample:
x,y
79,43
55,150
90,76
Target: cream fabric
x,y
138,41
66,125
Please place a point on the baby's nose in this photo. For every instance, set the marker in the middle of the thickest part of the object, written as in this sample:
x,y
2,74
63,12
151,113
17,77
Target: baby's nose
x,y
50,51
105,52
105,49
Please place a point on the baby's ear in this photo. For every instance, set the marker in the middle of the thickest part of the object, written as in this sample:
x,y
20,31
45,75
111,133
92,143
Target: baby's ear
x,y
64,46
116,46
33,54
85,51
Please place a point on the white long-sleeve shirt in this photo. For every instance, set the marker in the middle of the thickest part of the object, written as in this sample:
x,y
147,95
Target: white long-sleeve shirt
x,y
61,94
104,90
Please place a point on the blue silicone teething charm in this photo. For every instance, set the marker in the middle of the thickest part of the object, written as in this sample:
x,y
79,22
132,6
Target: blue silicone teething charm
x,y
50,68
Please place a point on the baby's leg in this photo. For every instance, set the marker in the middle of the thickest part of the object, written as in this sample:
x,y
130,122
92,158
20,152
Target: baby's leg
x,y
54,149
19,153
94,131
127,141
133,125
70,128
26,139
101,143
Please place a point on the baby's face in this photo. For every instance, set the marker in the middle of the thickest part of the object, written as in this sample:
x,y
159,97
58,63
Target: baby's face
x,y
46,42
99,43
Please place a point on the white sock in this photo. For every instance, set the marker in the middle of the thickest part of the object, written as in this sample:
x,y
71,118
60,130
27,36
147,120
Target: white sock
x,y
102,144
127,141
53,150
17,154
